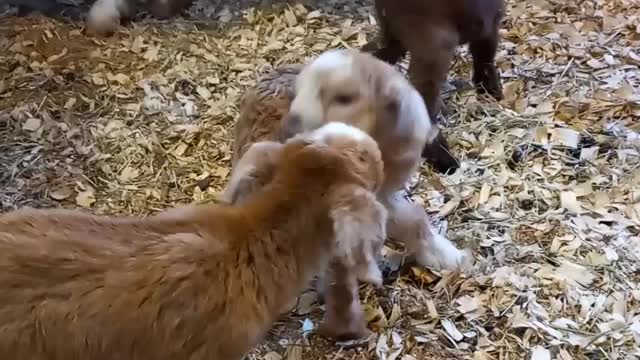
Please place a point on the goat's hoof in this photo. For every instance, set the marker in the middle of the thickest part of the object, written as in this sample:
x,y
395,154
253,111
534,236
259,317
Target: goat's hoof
x,y
448,258
489,84
339,333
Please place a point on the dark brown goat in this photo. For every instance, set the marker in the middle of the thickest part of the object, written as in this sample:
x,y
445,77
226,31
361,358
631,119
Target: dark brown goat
x,y
201,282
167,8
430,31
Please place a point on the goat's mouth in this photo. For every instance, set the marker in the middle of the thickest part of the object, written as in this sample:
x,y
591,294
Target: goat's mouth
x,y
291,126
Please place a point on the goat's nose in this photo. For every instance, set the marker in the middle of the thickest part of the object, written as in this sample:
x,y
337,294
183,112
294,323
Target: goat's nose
x,y
291,125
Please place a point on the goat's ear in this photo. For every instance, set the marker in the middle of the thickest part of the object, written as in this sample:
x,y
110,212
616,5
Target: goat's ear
x,y
405,113
412,111
359,223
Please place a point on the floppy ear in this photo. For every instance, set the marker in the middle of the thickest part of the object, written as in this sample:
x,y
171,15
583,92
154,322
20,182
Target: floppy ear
x,y
360,226
370,174
404,112
380,178
293,146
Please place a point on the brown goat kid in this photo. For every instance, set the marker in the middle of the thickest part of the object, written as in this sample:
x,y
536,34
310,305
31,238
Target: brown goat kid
x,y
344,317
430,31
200,282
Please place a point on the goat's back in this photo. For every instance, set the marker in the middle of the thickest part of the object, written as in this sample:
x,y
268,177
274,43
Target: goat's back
x,y
263,107
73,283
470,18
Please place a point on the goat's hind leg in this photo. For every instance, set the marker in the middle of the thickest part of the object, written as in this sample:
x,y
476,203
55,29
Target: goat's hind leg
x,y
386,46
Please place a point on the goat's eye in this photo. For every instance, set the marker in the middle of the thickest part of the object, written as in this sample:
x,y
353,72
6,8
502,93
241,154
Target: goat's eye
x,y
344,99
362,156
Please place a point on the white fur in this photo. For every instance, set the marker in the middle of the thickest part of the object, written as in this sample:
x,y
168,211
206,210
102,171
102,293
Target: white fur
x,y
441,253
307,102
105,15
330,60
335,128
409,224
370,273
414,110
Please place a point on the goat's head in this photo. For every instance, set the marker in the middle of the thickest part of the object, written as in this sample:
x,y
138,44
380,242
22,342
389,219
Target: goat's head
x,y
358,88
336,150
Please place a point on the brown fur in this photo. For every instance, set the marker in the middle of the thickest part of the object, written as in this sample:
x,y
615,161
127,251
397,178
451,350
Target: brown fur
x,y
201,282
344,317
430,31
263,108
167,8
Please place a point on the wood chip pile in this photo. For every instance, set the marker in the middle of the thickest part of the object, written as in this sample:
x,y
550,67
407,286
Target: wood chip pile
x,y
548,196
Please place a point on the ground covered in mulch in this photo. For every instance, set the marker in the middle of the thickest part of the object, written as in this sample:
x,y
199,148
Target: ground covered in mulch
x,y
548,197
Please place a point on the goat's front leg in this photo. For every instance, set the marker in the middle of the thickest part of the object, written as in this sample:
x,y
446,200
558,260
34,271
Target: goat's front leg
x,y
410,224
344,317
359,218
386,48
428,68
429,65
485,74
